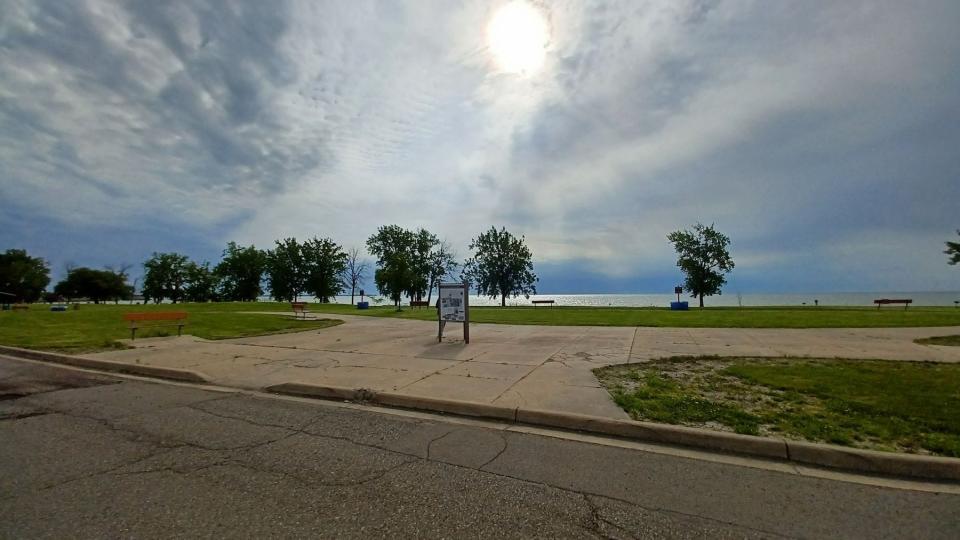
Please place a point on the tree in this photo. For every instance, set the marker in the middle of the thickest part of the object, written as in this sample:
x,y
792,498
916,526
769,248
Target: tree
x,y
703,258
286,270
356,271
423,244
241,273
442,263
96,285
122,273
325,262
502,265
953,251
23,276
394,248
201,284
165,275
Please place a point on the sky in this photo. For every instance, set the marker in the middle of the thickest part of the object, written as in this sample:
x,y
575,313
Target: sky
x,y
822,137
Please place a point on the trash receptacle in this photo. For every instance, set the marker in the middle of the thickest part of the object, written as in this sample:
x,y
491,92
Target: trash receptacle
x,y
363,305
679,306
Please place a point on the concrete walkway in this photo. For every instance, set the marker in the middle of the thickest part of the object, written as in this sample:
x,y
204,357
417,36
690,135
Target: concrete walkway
x,y
540,367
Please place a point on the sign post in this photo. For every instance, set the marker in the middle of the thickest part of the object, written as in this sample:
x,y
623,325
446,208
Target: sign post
x,y
453,305
678,291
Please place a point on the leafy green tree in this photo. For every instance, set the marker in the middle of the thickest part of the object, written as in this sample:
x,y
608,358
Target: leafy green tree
x,y
325,263
286,270
241,273
23,276
442,263
165,275
96,285
704,258
423,245
502,265
202,283
355,273
395,250
953,251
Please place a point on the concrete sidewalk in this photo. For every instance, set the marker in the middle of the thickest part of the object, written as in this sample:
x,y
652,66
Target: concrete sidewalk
x,y
538,367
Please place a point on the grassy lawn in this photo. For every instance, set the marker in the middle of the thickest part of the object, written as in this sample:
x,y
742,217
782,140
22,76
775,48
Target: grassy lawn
x,y
720,317
96,327
882,405
940,340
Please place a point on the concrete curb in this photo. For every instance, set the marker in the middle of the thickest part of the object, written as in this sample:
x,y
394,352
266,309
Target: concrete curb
x,y
173,374
823,455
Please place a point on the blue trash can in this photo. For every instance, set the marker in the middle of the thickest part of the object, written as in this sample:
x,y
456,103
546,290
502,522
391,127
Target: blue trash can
x,y
679,306
363,305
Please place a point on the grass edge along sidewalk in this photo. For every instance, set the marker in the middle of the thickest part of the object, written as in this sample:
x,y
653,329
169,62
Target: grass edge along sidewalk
x,y
100,327
711,317
909,407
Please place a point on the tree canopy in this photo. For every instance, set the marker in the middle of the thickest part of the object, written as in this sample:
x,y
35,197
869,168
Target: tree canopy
x,y
502,265
286,270
23,276
703,257
953,251
165,275
240,273
96,285
395,250
325,265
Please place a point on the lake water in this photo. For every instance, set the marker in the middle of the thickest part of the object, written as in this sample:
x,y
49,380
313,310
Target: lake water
x,y
663,300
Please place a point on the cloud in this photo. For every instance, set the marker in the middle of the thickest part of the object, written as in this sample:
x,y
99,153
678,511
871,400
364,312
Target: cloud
x,y
802,131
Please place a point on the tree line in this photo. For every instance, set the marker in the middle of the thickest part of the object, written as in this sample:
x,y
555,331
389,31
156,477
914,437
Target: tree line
x,y
408,263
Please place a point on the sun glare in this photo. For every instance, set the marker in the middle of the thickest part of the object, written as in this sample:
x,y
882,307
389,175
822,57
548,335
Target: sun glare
x,y
517,37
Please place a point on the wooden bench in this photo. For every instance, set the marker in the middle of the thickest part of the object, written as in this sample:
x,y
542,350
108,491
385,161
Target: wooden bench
x,y
535,302
299,310
23,307
419,303
884,301
157,319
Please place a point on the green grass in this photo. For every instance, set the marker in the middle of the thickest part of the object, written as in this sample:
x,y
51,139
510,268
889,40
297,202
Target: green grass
x,y
953,341
97,327
719,317
884,405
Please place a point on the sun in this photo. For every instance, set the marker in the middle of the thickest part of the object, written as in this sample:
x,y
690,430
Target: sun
x,y
517,37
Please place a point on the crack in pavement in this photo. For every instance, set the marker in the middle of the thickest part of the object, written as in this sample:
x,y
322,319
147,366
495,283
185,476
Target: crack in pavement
x,y
503,438
435,439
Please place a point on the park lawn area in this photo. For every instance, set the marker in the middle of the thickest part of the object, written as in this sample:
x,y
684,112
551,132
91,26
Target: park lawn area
x,y
940,340
718,317
876,404
97,327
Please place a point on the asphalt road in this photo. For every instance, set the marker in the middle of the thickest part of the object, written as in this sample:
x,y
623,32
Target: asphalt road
x,y
90,456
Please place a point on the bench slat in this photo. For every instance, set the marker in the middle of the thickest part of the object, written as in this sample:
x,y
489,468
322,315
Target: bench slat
x,y
156,316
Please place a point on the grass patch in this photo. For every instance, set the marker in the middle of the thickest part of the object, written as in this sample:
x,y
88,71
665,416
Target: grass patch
x,y
953,341
718,317
882,405
97,327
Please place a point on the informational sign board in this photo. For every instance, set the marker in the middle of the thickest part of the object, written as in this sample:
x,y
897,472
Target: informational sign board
x,y
454,306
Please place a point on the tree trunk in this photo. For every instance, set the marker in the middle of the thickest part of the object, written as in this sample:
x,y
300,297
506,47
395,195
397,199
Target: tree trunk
x,y
351,294
503,300
701,300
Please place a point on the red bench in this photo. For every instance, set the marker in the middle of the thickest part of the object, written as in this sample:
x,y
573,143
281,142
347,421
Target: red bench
x,y
884,301
159,318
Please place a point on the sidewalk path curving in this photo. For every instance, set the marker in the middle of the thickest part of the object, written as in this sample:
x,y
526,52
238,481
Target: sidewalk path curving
x,y
537,367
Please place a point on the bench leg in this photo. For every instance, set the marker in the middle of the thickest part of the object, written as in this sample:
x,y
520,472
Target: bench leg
x,y
179,330
133,333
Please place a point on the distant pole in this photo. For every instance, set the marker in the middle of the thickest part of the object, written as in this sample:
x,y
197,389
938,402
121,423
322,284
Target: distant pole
x,y
466,312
